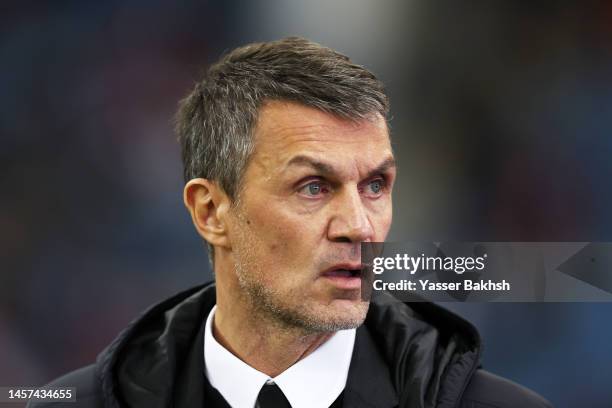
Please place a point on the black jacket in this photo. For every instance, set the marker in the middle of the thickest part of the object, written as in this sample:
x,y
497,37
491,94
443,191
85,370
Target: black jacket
x,y
414,356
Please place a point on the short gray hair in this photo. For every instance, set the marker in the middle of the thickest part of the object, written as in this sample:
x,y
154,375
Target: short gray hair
x,y
215,122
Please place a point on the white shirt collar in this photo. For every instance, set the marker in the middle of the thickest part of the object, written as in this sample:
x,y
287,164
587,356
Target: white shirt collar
x,y
314,381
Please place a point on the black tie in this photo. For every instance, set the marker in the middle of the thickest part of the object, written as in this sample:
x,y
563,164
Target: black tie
x,y
271,396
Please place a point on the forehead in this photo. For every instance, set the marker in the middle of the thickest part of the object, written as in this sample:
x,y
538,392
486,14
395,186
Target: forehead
x,y
285,130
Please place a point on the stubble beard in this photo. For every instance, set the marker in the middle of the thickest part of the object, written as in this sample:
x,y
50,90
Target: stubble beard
x,y
283,309
285,312
289,310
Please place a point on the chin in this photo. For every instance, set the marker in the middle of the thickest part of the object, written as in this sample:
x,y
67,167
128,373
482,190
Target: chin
x,y
339,314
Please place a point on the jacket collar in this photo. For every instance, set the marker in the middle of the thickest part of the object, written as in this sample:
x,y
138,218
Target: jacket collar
x,y
374,390
151,361
431,352
369,383
419,356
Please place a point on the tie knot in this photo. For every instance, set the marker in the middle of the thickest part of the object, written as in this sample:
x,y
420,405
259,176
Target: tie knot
x,y
271,396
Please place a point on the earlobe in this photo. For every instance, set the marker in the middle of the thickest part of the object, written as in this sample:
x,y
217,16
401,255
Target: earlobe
x,y
207,203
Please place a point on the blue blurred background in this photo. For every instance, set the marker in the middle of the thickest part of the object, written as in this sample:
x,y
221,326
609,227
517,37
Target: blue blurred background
x,y
501,122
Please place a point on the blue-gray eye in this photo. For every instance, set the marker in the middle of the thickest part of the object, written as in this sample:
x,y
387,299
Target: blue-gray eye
x,y
314,188
376,186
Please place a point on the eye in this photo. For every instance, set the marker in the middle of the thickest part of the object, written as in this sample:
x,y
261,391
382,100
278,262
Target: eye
x,y
314,189
375,187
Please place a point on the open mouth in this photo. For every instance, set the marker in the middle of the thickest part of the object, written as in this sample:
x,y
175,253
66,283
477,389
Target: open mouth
x,y
344,277
344,273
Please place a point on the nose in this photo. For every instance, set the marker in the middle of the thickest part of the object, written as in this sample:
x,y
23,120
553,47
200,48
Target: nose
x,y
349,221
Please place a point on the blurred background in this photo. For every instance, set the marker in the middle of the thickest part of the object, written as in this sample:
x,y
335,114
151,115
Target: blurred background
x,y
501,122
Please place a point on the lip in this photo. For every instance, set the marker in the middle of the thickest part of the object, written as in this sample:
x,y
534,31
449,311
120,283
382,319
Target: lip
x,y
343,282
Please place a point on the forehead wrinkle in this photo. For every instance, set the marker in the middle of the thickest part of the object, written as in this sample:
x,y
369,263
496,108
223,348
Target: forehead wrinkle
x,y
308,133
296,129
282,133
303,160
328,169
288,123
289,139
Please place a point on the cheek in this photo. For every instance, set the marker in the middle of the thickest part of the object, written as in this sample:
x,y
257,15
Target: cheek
x,y
290,237
382,223
277,233
291,242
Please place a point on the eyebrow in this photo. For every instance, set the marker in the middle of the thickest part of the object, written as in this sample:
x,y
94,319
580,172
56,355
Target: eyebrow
x,y
327,169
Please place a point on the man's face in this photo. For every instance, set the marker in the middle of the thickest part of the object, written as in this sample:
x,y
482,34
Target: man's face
x,y
315,188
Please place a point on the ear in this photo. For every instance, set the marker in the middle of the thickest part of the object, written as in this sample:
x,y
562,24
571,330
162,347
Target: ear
x,y
208,205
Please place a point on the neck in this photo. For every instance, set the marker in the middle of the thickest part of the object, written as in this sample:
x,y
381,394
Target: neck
x,y
259,340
